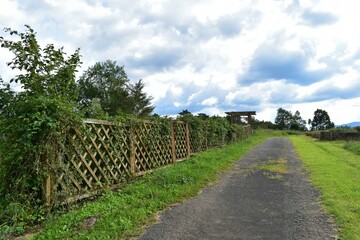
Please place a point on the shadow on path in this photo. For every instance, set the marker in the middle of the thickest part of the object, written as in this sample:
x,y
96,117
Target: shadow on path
x,y
265,195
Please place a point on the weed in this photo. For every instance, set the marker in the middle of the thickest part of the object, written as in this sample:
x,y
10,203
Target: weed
x,y
274,169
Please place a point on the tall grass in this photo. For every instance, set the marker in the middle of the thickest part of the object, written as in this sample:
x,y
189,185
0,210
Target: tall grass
x,y
353,147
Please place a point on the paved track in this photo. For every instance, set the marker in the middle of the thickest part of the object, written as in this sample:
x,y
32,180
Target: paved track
x,y
250,203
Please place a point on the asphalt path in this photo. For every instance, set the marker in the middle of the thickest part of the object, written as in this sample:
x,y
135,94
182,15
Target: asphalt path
x,y
249,202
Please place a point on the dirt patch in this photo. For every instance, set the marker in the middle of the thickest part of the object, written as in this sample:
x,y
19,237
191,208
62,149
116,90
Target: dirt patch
x,y
266,195
89,222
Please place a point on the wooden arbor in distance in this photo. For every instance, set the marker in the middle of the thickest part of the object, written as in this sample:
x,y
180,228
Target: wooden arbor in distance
x,y
235,117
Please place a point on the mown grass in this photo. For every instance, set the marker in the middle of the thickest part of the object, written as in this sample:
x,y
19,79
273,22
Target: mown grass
x,y
124,213
336,173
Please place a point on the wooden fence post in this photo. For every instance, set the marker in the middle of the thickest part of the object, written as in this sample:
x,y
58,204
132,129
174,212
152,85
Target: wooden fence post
x,y
48,181
47,187
187,133
132,149
173,145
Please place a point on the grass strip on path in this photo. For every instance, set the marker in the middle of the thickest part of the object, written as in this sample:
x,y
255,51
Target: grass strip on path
x,y
336,173
124,213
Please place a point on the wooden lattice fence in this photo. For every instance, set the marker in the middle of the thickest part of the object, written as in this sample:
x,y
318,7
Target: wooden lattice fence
x,y
105,154
96,156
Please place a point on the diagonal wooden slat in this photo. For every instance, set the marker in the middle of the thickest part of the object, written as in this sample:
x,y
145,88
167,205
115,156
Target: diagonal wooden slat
x,y
125,143
117,154
93,156
84,160
88,183
102,157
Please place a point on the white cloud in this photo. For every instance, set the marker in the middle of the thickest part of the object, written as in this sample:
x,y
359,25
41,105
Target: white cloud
x,y
212,56
210,101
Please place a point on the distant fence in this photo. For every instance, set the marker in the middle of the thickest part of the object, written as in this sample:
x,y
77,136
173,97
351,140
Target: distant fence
x,y
104,154
345,136
334,136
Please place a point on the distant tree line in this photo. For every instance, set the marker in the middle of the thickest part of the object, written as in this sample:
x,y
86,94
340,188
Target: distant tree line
x,y
286,120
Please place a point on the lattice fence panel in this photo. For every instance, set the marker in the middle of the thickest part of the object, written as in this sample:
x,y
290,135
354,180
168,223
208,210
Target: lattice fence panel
x,y
152,145
96,156
102,153
180,140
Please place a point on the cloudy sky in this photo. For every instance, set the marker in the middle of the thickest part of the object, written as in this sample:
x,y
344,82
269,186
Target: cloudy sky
x,y
212,56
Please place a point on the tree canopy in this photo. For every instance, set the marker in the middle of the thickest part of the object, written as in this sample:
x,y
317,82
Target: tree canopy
x,y
286,120
321,120
283,118
298,123
140,102
109,84
185,112
45,71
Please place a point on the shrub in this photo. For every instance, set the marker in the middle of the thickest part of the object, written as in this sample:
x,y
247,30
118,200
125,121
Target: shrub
x,y
32,122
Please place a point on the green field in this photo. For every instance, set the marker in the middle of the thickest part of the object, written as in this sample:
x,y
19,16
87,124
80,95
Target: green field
x,y
334,168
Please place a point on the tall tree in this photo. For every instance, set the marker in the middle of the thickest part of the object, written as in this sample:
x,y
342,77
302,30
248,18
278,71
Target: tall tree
x,y
298,123
107,82
140,102
286,120
321,120
283,119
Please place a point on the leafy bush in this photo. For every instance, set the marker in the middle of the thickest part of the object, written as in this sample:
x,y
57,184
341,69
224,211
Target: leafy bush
x,y
217,131
32,123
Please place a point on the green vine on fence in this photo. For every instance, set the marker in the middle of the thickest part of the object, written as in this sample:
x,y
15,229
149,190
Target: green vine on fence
x,y
215,130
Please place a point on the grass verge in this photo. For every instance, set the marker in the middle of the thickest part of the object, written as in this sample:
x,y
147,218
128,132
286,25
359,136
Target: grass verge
x,y
336,173
124,213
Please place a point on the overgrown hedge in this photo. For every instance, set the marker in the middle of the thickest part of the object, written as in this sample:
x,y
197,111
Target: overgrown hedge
x,y
31,122
216,131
